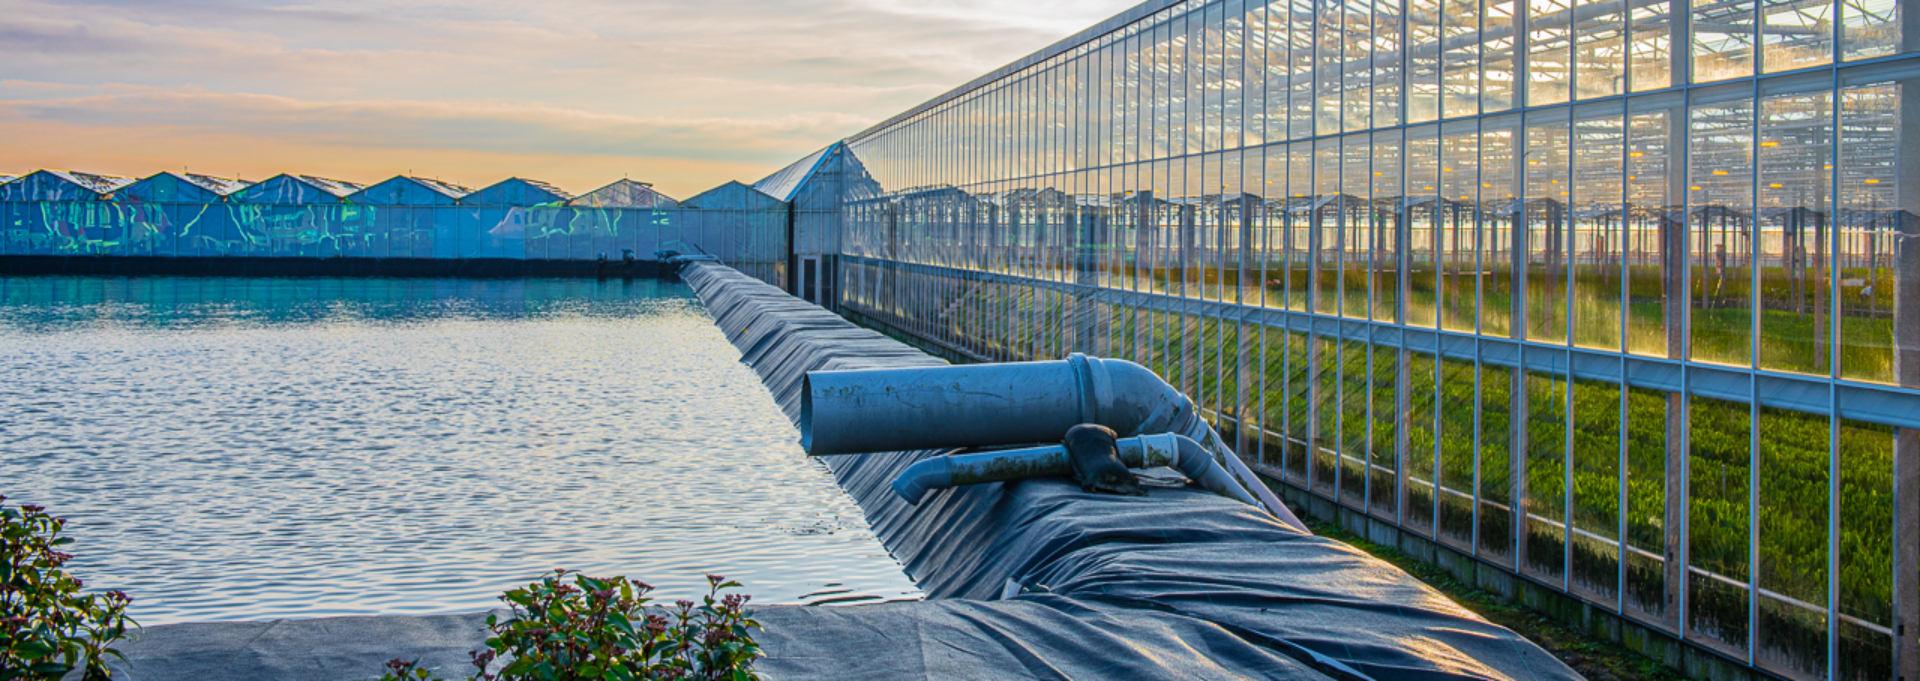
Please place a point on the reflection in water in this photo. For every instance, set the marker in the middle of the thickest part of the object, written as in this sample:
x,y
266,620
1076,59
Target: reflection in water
x,y
234,449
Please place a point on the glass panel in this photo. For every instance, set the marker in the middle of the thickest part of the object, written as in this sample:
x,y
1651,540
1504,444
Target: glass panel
x,y
1423,60
1424,215
1358,221
1546,475
1497,502
1299,226
1792,569
1457,401
1650,47
1719,520
1460,60
1796,161
1328,58
1329,220
1547,167
1720,218
1499,199
1549,52
1326,444
1600,53
1879,280
1499,90
1387,73
1275,395
1355,50
1422,371
1386,426
1723,36
1869,28
1460,192
1795,34
1385,233
1596,489
1866,507
1353,423
1598,136
1652,211
1300,380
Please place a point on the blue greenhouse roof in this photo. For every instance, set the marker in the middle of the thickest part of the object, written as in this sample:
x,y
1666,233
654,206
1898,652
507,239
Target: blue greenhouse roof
x,y
297,189
61,185
516,192
625,194
408,190
182,187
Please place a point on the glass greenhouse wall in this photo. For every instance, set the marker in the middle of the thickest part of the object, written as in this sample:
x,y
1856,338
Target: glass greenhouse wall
x,y
1621,297
751,238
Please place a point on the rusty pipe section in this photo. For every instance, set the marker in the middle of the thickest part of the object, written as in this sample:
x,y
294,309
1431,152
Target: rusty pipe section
x,y
1146,451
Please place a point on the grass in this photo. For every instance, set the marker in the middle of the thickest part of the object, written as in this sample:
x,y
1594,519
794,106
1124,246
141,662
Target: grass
x,y
1314,392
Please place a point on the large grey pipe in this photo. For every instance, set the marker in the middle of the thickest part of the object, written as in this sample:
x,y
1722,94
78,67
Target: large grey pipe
x,y
1145,451
1015,403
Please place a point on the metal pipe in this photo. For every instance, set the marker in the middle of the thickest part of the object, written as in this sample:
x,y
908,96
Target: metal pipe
x,y
982,405
1014,403
1146,451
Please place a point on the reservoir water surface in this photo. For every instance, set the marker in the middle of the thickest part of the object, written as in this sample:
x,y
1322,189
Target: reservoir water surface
x,y
236,449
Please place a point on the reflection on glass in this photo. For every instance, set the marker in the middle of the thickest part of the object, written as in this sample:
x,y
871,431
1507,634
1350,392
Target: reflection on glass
x,y
1498,507
1598,226
1546,465
1326,433
1791,574
1388,212
1720,225
1422,373
1719,520
1546,168
1354,385
1386,426
1499,204
1300,379
1458,400
1596,489
1866,506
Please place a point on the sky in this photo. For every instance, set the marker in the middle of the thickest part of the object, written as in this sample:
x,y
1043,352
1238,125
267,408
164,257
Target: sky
x,y
579,93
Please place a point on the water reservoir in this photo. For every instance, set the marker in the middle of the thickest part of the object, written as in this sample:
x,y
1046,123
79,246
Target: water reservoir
x,y
238,449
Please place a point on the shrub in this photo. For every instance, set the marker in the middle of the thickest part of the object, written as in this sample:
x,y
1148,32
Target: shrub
x,y
47,626
601,629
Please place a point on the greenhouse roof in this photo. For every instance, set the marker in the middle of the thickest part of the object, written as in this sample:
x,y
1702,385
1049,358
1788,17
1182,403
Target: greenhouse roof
x,y
181,187
516,192
411,191
62,185
625,194
289,189
733,196
784,183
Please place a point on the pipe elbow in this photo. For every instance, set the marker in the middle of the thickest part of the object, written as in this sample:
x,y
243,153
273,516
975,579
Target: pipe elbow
x,y
1197,463
1135,401
925,474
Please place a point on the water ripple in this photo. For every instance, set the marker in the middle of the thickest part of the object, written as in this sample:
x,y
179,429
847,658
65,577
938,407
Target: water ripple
x,y
233,449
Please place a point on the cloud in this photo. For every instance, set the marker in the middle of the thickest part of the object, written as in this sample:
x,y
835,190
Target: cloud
x,y
745,84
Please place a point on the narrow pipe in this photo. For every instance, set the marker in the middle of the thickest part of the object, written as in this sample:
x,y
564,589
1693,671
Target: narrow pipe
x,y
1145,451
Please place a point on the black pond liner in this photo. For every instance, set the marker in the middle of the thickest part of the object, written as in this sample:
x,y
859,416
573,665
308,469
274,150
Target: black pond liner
x,y
1037,579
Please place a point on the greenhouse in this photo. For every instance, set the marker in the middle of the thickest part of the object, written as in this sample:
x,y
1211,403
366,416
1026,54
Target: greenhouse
x,y
180,215
1621,299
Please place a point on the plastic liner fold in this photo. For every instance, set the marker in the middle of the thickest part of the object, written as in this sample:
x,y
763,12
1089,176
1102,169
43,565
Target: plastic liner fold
x,y
1037,579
